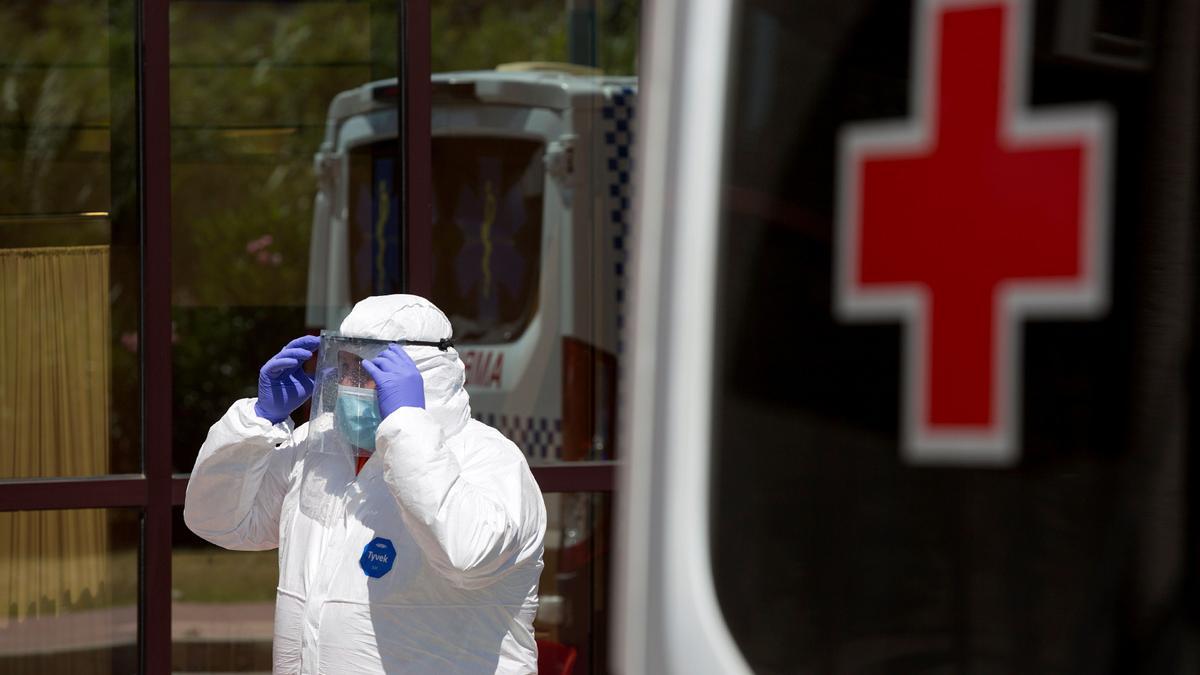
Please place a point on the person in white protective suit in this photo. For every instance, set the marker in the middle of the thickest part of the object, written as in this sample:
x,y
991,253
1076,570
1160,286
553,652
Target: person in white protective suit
x,y
428,560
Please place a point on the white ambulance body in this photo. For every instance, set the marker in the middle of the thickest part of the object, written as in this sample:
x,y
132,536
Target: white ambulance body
x,y
531,169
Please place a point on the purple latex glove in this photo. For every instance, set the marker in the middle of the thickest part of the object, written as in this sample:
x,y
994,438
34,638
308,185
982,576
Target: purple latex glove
x,y
283,385
398,383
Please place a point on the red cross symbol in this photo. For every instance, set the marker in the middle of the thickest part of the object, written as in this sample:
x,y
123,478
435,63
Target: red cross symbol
x,y
965,220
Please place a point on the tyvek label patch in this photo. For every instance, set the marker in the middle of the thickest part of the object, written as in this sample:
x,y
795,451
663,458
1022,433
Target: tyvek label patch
x,y
378,556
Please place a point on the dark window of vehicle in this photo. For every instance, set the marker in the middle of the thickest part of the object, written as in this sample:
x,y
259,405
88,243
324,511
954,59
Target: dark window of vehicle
x,y
487,227
834,554
374,226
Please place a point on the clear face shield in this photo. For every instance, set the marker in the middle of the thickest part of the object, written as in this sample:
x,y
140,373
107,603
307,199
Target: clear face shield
x,y
343,420
344,407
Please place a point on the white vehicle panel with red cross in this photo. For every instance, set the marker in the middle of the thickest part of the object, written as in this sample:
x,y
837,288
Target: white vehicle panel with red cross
x,y
967,219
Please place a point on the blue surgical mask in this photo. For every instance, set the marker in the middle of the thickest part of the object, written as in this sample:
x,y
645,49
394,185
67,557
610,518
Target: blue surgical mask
x,y
357,415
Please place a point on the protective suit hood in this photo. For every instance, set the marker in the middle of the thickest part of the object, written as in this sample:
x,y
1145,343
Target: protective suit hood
x,y
411,317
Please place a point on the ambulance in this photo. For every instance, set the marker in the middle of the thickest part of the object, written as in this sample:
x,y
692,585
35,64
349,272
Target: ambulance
x,y
530,217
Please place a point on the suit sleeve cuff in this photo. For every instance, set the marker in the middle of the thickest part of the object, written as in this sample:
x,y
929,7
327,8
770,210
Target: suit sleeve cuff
x,y
245,422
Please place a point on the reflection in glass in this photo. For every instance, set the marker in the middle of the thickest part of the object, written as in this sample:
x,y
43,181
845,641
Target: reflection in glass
x,y
68,240
251,83
252,87
487,220
572,620
487,197
68,591
533,129
489,290
223,606
530,223
480,35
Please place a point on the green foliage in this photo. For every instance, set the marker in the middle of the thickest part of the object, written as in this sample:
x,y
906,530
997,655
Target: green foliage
x,y
250,88
479,35
66,31
242,229
54,92
618,37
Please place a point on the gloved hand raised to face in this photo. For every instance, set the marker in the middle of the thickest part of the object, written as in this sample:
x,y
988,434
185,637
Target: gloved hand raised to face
x,y
283,385
398,383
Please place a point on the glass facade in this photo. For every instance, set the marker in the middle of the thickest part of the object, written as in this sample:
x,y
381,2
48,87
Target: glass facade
x,y
573,614
251,84
531,215
68,589
524,221
222,606
528,209
69,228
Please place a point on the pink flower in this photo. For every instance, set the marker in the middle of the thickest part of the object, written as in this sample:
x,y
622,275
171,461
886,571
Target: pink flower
x,y
130,341
256,245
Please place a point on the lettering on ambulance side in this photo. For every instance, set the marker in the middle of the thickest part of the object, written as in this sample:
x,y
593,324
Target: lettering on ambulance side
x,y
484,368
966,219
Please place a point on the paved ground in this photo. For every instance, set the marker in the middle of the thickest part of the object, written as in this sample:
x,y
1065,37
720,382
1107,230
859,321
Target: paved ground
x,y
117,626
242,622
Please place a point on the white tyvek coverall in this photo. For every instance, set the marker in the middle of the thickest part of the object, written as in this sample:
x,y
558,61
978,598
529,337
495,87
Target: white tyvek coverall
x,y
454,496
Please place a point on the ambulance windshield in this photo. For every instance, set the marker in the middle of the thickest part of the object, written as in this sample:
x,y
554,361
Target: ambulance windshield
x,y
487,227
